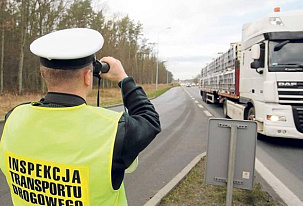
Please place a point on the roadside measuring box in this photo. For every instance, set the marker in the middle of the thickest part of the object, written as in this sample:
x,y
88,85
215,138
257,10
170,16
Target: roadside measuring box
x,y
230,156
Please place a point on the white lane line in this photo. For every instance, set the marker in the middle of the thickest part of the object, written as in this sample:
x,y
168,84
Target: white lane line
x,y
207,113
282,191
187,92
199,105
285,194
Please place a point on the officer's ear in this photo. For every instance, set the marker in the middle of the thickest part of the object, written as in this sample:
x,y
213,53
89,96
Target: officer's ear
x,y
44,72
41,72
88,76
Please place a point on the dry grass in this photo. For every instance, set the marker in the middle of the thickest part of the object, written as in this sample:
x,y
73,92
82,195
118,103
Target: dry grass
x,y
108,96
193,191
9,101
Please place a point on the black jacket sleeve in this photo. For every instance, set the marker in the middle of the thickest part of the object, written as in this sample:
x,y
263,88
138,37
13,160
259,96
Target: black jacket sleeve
x,y
136,129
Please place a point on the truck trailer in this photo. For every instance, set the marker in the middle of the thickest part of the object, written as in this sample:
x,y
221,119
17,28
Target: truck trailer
x,y
261,77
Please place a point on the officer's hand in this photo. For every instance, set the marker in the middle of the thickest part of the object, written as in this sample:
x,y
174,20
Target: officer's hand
x,y
116,72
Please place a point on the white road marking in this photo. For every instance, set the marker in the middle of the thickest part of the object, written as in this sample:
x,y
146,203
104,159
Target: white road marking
x,y
199,105
156,199
285,194
187,92
207,113
196,102
282,191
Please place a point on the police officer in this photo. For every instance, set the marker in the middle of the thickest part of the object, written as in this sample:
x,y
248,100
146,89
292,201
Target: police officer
x,y
61,151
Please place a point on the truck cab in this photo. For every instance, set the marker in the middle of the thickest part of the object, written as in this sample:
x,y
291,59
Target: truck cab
x,y
271,74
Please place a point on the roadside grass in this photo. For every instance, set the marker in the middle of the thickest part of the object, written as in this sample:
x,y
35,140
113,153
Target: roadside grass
x,y
108,96
192,191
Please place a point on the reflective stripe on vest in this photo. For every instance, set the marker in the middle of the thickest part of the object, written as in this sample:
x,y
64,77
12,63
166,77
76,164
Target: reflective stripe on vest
x,y
60,156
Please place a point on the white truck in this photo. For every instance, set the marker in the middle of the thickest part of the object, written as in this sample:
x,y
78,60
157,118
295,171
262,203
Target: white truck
x,y
261,78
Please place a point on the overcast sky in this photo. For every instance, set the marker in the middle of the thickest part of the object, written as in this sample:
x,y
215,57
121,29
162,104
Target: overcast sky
x,y
199,28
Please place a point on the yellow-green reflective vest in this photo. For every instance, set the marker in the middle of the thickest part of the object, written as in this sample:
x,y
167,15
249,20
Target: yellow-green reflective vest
x,y
60,156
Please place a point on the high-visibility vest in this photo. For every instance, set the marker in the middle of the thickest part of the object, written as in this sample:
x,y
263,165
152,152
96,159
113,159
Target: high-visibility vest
x,y
60,156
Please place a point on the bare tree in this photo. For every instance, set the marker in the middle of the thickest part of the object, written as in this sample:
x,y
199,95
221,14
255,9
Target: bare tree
x,y
24,25
30,19
2,5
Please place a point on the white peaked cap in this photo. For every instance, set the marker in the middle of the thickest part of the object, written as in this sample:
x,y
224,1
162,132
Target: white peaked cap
x,y
67,44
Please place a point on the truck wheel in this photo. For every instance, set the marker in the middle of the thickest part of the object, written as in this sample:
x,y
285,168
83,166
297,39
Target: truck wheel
x,y
207,102
204,96
251,113
225,108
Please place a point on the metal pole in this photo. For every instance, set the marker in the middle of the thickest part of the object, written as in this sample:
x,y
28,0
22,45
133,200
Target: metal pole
x,y
157,72
231,164
166,78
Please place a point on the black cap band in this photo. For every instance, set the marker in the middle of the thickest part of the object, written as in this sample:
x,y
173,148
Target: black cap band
x,y
67,64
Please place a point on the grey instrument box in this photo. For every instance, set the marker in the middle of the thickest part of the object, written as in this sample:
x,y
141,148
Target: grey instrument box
x,y
218,146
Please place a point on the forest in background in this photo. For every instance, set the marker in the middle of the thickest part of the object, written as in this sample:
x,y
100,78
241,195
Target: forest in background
x,y
23,21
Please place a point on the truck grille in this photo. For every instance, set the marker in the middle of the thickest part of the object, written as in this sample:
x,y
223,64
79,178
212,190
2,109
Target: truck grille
x,y
298,117
290,92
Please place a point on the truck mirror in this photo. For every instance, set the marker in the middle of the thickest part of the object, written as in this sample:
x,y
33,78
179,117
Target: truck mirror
x,y
255,51
255,64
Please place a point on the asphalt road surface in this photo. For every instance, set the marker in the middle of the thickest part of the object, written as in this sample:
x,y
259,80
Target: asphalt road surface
x,y
183,137
283,157
184,119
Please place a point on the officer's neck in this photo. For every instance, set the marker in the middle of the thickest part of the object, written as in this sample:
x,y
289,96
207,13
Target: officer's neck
x,y
80,93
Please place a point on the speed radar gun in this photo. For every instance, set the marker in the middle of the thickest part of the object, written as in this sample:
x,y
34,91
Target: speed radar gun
x,y
231,150
102,67
63,50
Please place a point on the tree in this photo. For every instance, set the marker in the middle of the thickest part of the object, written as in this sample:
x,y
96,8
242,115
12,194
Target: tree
x,y
23,21
2,24
44,15
80,14
24,26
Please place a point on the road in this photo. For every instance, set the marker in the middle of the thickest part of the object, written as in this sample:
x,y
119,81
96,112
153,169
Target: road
x,y
183,137
283,157
184,119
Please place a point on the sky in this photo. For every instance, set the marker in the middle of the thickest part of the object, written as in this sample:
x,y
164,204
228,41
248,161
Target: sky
x,y
191,33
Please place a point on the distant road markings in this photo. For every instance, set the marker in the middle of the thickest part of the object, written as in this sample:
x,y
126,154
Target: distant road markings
x,y
283,192
207,113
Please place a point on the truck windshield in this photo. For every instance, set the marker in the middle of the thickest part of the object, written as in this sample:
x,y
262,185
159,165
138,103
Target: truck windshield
x,y
286,56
